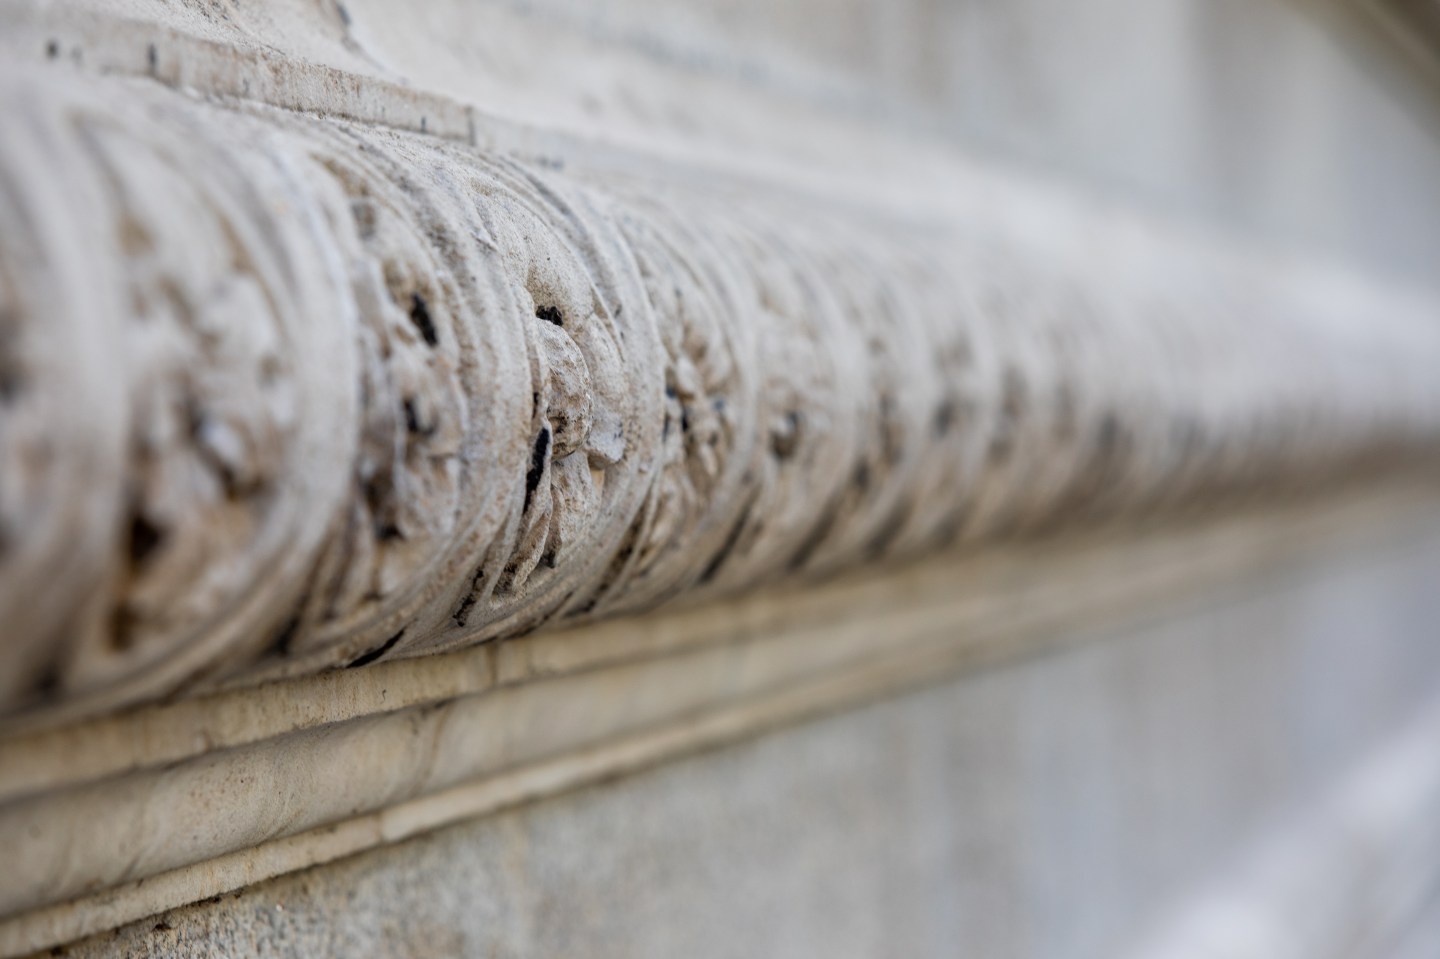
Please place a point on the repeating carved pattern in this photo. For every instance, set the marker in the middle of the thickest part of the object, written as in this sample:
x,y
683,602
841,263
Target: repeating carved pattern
x,y
280,393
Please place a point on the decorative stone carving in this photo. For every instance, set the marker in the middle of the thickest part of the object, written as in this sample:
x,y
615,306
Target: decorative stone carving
x,y
336,336
280,392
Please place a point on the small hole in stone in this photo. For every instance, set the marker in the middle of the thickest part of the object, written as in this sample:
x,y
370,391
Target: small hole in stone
x,y
52,49
420,316
144,538
550,314
412,419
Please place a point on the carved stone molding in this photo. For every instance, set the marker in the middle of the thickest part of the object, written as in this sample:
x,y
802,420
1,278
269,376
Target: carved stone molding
x,y
282,392
386,399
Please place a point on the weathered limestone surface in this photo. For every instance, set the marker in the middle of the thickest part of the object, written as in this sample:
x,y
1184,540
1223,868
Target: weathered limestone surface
x,y
221,791
284,392
454,339
1060,806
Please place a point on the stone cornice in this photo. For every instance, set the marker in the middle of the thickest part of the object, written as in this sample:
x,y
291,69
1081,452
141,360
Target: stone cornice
x,y
285,392
330,338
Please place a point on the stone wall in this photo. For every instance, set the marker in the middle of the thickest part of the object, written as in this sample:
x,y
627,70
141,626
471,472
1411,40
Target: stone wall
x,y
414,416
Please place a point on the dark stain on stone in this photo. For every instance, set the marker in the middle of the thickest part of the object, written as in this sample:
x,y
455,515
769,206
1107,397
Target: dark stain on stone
x,y
377,652
783,443
815,538
376,492
285,636
462,612
731,541
52,49
123,623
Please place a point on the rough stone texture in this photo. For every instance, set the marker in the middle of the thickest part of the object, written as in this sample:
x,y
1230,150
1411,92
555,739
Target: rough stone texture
x,y
1050,808
283,393
340,333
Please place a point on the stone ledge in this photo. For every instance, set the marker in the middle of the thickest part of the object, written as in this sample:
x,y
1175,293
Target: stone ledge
x,y
226,790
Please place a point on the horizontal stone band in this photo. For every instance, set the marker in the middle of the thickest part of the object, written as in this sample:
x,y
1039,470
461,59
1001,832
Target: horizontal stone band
x,y
280,393
225,790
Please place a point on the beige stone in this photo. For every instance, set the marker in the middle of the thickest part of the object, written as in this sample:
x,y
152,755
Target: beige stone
x,y
411,416
350,391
